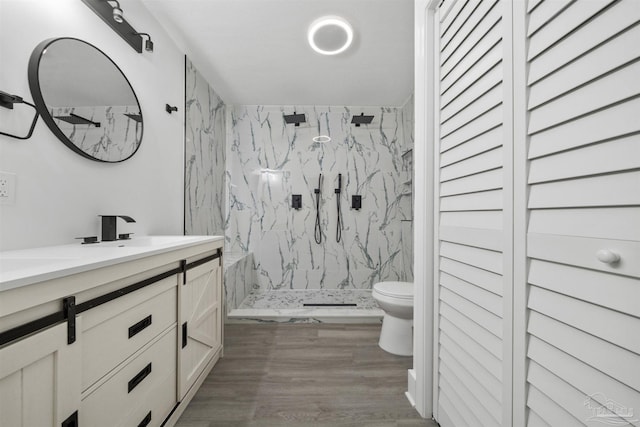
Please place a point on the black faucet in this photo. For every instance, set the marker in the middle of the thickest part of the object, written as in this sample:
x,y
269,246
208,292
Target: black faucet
x,y
109,226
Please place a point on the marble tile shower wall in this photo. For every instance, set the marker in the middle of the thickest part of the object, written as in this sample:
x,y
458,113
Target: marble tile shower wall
x,y
407,224
268,161
205,137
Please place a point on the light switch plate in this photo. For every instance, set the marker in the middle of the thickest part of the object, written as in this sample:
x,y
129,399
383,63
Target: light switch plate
x,y
7,188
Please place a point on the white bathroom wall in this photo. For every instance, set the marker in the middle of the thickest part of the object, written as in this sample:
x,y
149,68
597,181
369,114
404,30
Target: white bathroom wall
x,y
59,193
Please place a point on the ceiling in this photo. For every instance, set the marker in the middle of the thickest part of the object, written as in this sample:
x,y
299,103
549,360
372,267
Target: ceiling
x,y
255,52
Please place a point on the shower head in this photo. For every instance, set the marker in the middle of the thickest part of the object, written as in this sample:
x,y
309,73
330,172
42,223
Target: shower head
x,y
361,120
294,118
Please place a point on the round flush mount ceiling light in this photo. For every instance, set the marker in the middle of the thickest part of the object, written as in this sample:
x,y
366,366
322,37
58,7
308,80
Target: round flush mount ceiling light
x,y
330,35
321,138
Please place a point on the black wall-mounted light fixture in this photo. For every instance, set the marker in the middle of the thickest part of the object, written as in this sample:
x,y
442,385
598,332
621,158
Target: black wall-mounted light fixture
x,y
113,16
6,101
118,14
148,44
294,119
361,120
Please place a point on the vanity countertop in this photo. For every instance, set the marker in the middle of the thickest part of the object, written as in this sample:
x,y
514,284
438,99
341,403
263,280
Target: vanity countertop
x,y
27,266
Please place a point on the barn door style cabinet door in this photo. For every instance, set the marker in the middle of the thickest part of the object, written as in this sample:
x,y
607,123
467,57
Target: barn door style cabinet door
x,y
537,202
40,380
200,332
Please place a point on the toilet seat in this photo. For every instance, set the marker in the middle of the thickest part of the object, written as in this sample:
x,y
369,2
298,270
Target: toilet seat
x,y
399,290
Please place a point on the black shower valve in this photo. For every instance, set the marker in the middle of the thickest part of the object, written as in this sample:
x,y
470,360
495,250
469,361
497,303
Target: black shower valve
x,y
296,201
356,202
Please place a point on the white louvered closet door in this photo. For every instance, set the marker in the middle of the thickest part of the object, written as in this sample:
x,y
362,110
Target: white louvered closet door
x,y
472,345
583,318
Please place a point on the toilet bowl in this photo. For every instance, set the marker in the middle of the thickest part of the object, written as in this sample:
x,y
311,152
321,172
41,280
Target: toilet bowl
x,y
396,299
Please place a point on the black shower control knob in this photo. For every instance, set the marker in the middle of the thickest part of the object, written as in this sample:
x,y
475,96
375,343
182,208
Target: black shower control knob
x,y
296,201
356,202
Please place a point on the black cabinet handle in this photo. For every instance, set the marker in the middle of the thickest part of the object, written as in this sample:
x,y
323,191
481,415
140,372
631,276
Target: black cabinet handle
x,y
140,326
133,382
72,421
184,334
145,422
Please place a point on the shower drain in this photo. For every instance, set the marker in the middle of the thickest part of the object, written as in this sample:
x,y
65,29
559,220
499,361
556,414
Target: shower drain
x,y
329,305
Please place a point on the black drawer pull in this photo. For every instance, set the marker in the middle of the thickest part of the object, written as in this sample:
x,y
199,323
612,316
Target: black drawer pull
x,y
145,422
133,382
185,334
72,421
140,326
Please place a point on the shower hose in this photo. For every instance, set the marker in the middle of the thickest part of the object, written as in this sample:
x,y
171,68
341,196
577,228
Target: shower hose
x,y
318,230
339,226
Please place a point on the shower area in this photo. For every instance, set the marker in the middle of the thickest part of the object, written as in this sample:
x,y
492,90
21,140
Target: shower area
x,y
315,204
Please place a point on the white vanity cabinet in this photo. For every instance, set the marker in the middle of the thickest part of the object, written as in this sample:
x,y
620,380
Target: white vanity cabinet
x,y
128,362
40,381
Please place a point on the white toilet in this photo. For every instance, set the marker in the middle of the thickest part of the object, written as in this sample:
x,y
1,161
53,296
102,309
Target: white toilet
x,y
396,299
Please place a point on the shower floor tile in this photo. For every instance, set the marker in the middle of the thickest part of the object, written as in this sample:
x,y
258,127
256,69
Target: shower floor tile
x,y
289,306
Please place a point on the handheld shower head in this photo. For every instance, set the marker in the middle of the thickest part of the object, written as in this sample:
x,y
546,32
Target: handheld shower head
x,y
318,230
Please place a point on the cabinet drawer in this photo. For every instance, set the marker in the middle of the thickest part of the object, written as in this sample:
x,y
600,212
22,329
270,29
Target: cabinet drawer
x,y
116,330
145,385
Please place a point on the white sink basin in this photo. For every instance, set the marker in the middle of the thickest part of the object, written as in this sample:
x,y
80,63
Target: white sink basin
x,y
148,241
26,266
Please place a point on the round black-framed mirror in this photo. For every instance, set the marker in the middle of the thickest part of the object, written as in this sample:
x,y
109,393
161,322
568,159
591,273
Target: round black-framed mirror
x,y
85,99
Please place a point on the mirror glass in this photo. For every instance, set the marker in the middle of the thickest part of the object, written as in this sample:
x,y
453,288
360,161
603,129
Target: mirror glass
x,y
85,99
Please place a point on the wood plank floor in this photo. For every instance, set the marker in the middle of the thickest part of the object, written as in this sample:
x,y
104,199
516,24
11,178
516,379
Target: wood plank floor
x,y
304,375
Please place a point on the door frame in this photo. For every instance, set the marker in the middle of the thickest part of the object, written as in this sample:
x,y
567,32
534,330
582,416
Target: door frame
x,y
420,378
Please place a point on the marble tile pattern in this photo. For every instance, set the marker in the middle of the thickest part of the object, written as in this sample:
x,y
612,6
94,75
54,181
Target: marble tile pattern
x,y
407,251
205,139
268,161
115,139
240,278
407,201
408,119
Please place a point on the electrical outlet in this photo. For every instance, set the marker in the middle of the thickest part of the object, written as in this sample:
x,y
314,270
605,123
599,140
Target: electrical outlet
x,y
7,188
